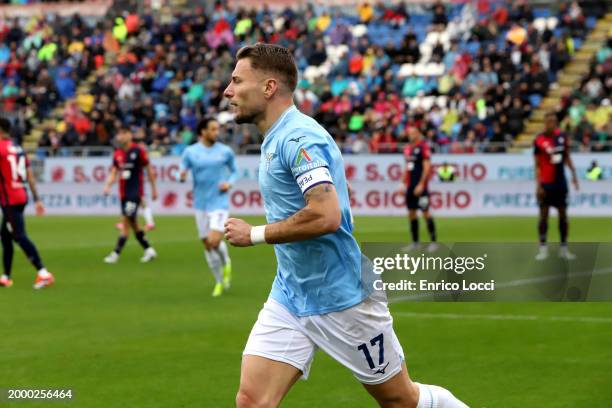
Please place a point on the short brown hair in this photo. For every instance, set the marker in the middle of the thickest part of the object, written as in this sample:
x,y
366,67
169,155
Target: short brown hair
x,y
273,58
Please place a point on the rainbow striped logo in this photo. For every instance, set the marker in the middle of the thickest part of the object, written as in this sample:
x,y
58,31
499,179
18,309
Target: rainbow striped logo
x,y
302,155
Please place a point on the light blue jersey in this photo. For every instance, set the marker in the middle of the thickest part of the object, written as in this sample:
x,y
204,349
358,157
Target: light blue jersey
x,y
323,274
210,166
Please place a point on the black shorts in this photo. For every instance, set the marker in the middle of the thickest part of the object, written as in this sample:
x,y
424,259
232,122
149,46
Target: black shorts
x,y
554,196
414,202
129,207
13,220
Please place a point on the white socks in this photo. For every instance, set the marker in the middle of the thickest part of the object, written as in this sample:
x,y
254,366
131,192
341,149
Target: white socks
x,y
222,250
44,273
148,215
215,264
432,396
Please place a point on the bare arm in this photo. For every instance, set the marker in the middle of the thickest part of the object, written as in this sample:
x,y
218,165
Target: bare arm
x,y
112,177
40,209
536,166
570,164
151,177
320,216
421,184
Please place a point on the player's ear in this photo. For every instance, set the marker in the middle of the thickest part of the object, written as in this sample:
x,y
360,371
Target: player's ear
x,y
270,87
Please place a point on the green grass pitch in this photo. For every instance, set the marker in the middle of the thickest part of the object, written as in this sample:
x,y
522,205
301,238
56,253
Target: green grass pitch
x,y
132,335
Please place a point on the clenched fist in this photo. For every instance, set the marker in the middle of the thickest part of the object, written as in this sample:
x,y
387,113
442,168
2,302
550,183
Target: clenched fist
x,y
238,232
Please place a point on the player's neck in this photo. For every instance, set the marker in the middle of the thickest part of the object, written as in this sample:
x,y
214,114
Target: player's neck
x,y
272,113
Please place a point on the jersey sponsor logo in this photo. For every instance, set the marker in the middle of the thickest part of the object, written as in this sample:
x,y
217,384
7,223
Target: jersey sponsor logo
x,y
302,155
308,166
297,139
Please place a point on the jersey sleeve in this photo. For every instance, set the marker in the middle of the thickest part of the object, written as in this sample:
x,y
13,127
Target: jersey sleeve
x,y
185,162
144,157
307,155
426,151
115,162
231,165
536,145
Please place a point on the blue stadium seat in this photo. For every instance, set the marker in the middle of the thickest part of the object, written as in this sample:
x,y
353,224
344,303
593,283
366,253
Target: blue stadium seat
x,y
541,12
535,100
591,22
420,19
473,47
577,43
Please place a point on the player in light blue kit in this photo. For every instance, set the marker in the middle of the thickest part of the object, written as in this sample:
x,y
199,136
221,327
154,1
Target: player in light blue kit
x,y
213,168
319,298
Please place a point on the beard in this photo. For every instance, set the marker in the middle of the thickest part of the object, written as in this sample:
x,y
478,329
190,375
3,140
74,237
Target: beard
x,y
248,116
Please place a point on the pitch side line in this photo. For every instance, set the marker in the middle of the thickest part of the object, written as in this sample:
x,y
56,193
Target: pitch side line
x,y
468,316
520,282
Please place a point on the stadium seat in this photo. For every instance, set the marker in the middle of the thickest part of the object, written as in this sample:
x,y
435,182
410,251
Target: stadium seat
x,y
432,38
426,50
540,23
442,101
577,43
415,103
434,69
541,12
591,22
535,100
427,102
420,69
406,70
359,30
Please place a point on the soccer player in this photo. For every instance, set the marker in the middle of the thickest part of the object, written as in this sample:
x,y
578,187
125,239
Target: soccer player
x,y
147,212
418,169
551,155
129,163
213,168
318,299
14,173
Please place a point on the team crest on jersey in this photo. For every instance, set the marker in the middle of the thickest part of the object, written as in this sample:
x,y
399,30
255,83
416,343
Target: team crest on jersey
x,y
269,157
132,155
302,155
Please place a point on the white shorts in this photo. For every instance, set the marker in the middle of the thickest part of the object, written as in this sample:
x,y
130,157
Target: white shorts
x,y
213,220
360,338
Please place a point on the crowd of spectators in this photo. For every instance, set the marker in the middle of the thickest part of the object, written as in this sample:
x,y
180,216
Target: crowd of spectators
x,y
587,112
41,61
169,70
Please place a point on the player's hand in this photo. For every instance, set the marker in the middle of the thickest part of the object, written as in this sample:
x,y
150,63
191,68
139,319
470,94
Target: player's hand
x,y
106,190
154,194
40,208
223,187
575,183
540,191
418,190
238,232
